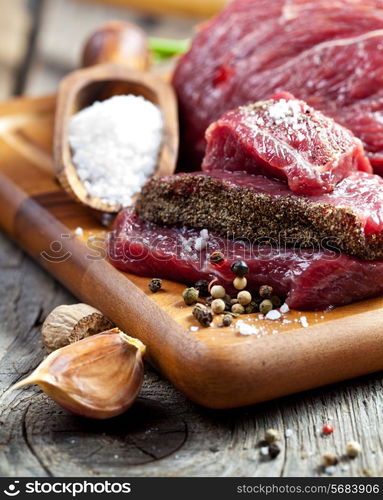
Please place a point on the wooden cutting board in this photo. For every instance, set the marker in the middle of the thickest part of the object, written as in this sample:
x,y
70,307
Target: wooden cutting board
x,y
216,367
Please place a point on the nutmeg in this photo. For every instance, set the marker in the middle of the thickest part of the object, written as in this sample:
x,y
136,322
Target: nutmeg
x,y
69,323
98,377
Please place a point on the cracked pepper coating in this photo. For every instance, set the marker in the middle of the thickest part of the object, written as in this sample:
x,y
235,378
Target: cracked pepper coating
x,y
258,209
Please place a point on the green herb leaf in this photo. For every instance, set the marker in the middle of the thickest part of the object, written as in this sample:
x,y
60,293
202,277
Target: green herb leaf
x,y
163,48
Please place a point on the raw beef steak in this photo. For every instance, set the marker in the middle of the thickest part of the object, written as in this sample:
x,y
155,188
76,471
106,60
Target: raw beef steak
x,y
285,138
239,205
328,53
309,279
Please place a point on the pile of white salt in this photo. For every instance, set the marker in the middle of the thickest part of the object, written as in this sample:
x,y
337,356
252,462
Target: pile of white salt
x,y
115,146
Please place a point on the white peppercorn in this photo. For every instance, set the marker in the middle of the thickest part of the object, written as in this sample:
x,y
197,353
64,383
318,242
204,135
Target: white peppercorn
x,y
218,306
218,292
244,298
329,459
272,435
237,309
240,283
353,449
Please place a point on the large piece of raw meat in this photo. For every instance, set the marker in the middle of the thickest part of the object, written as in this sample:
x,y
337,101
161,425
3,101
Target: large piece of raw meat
x,y
326,52
285,138
309,279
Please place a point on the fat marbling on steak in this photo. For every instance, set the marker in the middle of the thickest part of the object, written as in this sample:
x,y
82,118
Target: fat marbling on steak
x,y
309,279
283,137
254,207
328,53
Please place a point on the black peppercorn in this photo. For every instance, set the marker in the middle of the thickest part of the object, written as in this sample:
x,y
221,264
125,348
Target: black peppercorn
x,y
239,268
227,320
274,450
155,285
208,301
250,309
228,304
203,314
276,301
266,291
203,287
255,305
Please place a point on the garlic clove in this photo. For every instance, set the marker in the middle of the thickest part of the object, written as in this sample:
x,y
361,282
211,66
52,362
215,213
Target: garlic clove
x,y
97,377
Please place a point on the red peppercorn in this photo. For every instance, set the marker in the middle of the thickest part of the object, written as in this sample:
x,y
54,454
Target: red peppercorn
x,y
327,429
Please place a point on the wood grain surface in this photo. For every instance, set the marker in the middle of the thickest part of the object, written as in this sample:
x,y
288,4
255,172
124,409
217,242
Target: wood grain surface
x,y
216,367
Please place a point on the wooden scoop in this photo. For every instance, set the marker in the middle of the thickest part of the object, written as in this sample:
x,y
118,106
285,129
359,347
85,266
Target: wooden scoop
x,y
116,56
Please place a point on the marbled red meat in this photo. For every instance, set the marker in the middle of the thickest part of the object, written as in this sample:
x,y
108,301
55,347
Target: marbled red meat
x,y
327,52
309,279
285,138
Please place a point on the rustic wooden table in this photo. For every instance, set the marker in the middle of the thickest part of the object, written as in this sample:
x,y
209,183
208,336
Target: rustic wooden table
x,y
163,434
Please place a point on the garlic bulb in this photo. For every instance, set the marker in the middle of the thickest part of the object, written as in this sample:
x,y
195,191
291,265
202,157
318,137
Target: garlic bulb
x,y
97,377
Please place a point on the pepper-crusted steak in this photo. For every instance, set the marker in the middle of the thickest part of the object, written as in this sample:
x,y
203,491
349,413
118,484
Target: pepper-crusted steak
x,y
239,205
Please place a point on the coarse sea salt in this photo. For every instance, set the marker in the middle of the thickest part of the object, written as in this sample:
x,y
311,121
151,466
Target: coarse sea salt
x,y
330,470
303,321
273,315
287,112
202,240
264,451
284,308
115,146
245,328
